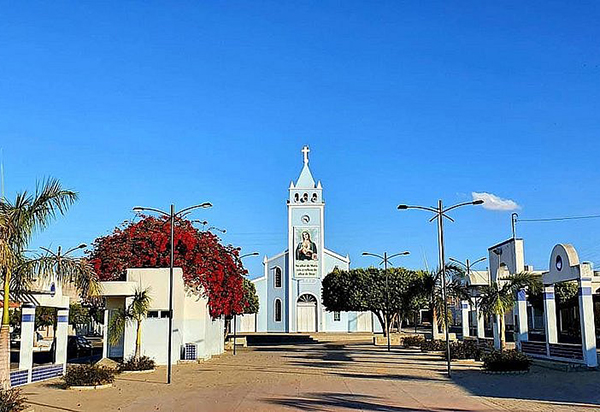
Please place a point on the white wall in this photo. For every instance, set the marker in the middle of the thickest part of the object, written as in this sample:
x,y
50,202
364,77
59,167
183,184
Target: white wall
x,y
191,319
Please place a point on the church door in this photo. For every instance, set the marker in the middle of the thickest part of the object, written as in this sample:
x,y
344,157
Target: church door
x,y
306,311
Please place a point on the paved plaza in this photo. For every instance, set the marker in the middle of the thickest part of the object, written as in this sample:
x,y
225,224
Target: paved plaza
x,y
349,376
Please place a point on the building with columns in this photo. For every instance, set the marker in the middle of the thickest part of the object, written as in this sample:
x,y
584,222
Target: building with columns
x,y
290,288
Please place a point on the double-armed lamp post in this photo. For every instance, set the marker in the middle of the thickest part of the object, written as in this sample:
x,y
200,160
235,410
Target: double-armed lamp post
x,y
204,223
172,215
385,259
235,314
58,256
440,214
468,265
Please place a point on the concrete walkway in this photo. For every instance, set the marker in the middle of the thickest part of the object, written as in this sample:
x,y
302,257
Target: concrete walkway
x,y
318,377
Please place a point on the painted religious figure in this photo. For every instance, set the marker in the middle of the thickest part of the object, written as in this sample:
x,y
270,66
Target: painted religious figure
x,y
306,256
306,249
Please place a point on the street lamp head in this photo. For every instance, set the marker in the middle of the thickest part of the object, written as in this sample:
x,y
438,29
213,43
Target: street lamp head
x,y
138,209
405,253
364,253
82,246
402,207
206,205
478,202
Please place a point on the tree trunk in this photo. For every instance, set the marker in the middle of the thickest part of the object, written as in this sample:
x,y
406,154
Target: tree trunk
x,y
435,334
138,340
5,336
382,322
502,334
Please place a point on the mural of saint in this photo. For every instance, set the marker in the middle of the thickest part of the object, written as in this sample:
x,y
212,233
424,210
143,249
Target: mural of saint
x,y
306,249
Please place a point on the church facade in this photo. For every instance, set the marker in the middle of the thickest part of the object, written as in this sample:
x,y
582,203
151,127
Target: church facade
x,y
290,288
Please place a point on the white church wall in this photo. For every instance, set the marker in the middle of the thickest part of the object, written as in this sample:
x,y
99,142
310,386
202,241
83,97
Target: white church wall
x,y
261,316
274,293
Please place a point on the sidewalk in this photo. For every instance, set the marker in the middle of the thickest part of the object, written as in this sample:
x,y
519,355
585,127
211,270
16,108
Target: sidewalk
x,y
327,377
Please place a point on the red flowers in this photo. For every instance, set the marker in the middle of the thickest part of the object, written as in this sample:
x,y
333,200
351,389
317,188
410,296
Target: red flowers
x,y
208,267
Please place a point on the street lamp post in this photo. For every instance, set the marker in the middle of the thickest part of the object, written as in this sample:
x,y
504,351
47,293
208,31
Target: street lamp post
x,y
58,255
171,215
235,315
440,214
468,265
385,259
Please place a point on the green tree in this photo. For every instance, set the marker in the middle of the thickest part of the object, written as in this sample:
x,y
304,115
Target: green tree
x,y
499,297
19,220
251,301
136,312
79,315
385,294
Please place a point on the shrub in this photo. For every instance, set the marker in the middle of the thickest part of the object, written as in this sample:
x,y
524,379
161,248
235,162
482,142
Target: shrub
x,y
143,363
433,345
11,400
88,375
467,349
508,360
413,340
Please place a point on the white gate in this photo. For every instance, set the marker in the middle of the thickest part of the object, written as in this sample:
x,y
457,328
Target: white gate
x,y
306,312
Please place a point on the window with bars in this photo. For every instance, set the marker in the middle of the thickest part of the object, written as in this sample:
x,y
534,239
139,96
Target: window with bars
x,y
277,277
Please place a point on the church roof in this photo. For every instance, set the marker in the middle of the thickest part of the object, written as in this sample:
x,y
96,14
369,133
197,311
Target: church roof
x,y
305,181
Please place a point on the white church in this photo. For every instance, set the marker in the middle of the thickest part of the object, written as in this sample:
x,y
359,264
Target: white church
x,y
290,288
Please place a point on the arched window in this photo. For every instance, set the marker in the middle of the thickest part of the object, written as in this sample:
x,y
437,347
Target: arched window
x,y
277,277
277,310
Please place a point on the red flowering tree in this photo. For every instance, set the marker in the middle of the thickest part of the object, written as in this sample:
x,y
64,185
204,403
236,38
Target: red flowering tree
x,y
209,268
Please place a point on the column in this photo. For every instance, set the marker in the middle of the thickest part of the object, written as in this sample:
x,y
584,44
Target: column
x,y
588,329
550,317
496,330
521,326
27,331
465,318
62,333
480,322
105,334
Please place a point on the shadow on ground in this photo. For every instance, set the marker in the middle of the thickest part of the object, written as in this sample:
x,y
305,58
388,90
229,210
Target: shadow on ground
x,y
540,384
327,400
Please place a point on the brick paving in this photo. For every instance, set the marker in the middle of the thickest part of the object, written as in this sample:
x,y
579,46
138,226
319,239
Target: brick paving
x,y
350,377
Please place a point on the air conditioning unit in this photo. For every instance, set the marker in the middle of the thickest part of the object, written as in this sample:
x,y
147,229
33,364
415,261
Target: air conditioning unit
x,y
190,351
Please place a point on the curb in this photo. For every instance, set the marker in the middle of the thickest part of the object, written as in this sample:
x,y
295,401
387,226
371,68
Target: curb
x,y
89,388
137,372
506,372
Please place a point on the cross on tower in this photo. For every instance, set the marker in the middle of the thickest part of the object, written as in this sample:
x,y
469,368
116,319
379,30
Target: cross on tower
x,y
305,151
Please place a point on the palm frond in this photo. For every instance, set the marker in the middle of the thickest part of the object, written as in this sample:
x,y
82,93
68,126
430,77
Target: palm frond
x,y
140,304
119,318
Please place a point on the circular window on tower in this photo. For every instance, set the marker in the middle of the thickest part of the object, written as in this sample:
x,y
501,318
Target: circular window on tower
x,y
305,219
559,263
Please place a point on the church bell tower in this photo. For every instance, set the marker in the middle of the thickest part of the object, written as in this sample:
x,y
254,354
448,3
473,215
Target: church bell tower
x,y
305,238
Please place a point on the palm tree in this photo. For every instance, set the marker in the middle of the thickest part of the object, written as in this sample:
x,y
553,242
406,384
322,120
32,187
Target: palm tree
x,y
430,287
135,312
19,220
500,297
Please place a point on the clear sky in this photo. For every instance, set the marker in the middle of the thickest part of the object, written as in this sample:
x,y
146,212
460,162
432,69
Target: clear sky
x,y
141,103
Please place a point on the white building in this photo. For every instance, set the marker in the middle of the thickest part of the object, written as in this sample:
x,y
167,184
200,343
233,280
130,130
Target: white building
x,y
195,335
290,289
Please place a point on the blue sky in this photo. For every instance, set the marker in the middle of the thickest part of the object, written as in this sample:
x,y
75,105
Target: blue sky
x,y
137,103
